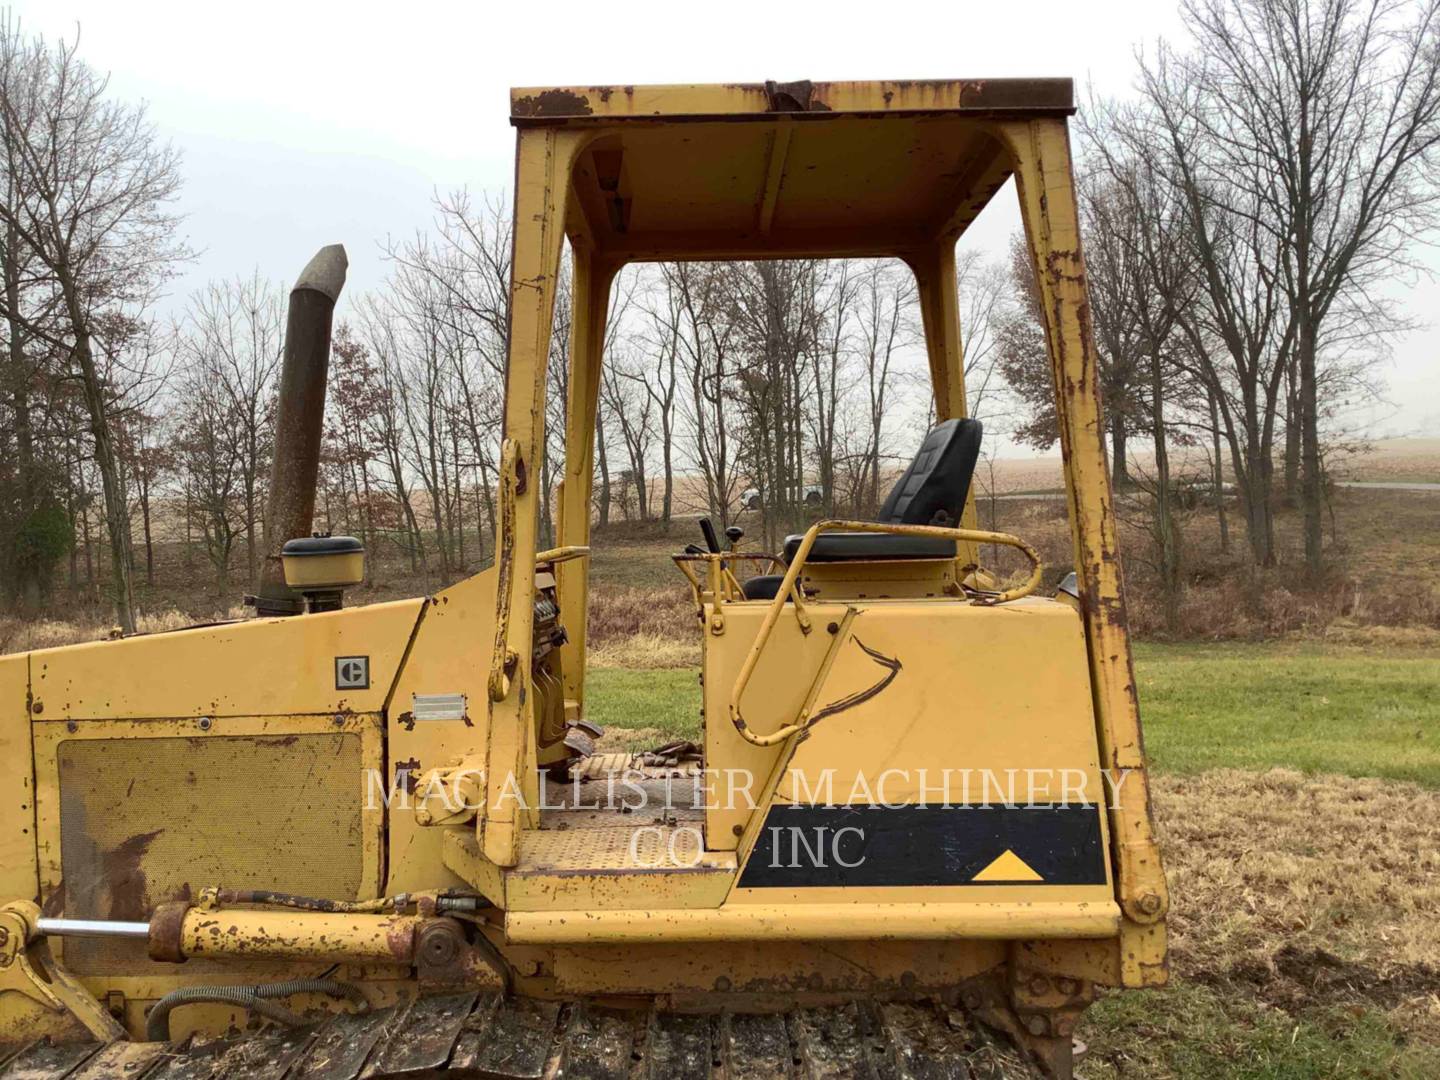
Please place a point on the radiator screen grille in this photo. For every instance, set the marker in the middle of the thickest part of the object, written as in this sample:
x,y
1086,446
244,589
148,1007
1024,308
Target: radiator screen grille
x,y
146,820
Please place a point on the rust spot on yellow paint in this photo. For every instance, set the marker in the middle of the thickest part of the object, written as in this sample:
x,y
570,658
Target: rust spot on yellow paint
x,y
128,899
553,103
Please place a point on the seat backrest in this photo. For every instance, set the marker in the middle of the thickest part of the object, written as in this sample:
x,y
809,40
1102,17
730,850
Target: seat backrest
x,y
933,489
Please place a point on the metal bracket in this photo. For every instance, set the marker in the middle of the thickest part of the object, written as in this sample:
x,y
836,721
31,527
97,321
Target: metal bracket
x,y
28,969
789,96
1037,1011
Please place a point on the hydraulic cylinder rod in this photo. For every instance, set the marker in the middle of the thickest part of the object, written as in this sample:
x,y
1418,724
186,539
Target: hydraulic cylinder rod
x,y
91,928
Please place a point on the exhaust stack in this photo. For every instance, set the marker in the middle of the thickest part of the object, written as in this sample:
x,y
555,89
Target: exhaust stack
x,y
290,509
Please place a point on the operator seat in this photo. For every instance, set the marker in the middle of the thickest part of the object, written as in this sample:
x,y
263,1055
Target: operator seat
x,y
932,491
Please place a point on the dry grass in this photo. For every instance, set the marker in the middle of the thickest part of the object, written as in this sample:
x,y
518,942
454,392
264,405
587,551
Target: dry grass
x,y
1383,589
1302,933
17,635
647,650
1384,579
646,615
1270,905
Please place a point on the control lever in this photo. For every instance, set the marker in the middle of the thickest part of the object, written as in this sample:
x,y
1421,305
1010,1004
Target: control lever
x,y
734,534
694,549
711,540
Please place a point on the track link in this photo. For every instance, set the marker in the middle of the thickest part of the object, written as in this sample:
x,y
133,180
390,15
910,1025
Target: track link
x,y
512,1038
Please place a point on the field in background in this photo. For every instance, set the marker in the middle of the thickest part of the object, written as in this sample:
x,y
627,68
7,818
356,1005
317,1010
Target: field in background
x,y
1385,460
1383,586
1394,460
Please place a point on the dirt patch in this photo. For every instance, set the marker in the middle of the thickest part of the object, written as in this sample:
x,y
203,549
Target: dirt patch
x,y
633,740
1326,979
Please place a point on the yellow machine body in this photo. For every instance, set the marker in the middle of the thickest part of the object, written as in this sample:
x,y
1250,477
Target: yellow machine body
x,y
984,749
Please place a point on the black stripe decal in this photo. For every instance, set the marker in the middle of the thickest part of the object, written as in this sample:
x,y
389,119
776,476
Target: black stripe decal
x,y
827,846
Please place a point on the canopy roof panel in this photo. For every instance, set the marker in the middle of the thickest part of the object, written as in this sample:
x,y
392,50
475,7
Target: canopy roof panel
x,y
785,170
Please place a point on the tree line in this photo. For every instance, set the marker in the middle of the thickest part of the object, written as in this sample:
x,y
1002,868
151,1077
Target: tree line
x,y
1241,212
1242,215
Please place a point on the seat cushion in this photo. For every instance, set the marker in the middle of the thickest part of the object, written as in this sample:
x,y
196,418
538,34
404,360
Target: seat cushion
x,y
848,547
763,586
933,489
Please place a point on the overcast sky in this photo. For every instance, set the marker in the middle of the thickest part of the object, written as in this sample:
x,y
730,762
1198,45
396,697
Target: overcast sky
x,y
303,124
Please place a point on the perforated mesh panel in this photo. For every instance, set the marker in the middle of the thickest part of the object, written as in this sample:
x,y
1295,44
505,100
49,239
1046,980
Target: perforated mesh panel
x,y
144,820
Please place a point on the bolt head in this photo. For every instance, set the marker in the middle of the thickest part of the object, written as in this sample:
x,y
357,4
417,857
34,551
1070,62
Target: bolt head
x,y
438,946
1035,1025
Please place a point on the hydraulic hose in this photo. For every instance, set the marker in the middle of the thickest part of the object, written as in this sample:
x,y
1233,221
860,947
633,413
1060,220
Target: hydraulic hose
x,y
257,999
302,903
266,898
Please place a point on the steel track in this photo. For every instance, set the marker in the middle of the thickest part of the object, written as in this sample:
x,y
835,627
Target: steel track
x,y
512,1038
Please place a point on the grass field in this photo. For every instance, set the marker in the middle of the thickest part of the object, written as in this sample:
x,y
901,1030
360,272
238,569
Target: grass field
x,y
1297,791
1315,708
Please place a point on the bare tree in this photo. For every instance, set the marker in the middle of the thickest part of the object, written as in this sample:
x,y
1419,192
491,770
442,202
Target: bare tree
x,y
210,450
1240,338
663,309
235,332
1307,131
1137,228
386,427
777,311
632,409
884,296
469,261
983,285
1024,359
835,286
90,192
708,363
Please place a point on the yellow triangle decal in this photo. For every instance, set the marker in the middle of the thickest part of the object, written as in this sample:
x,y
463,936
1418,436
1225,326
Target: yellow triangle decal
x,y
1008,867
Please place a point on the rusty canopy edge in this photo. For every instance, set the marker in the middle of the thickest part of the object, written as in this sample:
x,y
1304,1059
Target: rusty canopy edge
x,y
531,106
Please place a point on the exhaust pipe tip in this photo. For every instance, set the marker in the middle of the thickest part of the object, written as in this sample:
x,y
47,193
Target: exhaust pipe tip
x,y
325,273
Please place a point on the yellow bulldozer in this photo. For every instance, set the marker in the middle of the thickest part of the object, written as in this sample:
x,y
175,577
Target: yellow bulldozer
x,y
381,841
